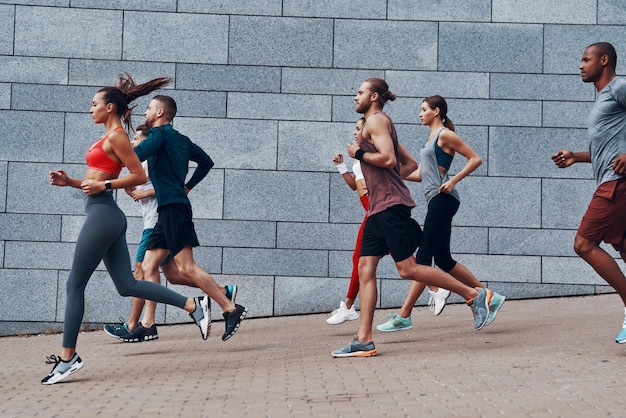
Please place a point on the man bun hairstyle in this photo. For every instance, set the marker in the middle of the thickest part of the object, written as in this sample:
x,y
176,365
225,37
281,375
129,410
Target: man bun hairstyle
x,y
380,86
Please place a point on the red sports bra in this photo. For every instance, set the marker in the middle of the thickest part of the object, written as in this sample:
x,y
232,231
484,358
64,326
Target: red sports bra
x,y
97,159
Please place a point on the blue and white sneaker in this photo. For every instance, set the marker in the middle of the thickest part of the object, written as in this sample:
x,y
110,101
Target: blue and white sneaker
x,y
621,337
480,307
61,368
356,349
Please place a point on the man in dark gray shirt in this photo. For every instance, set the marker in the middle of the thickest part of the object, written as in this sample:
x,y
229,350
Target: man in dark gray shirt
x,y
605,218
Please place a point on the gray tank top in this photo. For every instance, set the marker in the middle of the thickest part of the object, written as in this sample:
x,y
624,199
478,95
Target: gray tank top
x,y
432,178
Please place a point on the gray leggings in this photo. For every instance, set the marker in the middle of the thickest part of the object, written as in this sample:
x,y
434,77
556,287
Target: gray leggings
x,y
103,237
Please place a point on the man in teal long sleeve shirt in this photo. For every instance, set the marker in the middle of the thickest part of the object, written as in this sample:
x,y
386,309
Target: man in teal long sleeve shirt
x,y
168,153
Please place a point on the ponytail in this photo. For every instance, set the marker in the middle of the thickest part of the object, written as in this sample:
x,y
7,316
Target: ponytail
x,y
435,102
127,91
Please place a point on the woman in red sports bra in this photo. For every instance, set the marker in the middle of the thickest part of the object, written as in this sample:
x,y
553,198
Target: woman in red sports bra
x,y
103,235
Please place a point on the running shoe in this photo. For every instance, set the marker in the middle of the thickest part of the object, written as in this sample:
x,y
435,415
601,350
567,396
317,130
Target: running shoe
x,y
621,337
395,323
496,303
202,316
140,334
342,314
117,330
480,307
437,300
356,349
61,368
233,320
231,292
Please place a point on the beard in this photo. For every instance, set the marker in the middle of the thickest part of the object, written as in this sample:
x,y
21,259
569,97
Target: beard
x,y
364,107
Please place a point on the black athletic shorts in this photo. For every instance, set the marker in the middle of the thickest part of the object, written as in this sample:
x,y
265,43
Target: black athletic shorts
x,y
391,231
174,229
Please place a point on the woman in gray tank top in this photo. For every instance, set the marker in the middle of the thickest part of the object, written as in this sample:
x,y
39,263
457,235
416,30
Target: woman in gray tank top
x,y
443,201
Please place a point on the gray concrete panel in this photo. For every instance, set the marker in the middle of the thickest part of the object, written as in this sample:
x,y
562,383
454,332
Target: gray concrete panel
x,y
191,38
611,12
503,268
570,270
239,144
7,29
581,12
52,98
244,234
3,185
100,73
566,114
5,95
276,196
565,44
393,45
539,87
152,5
348,9
256,40
275,262
279,106
422,84
27,143
310,146
23,286
33,70
68,33
27,227
564,201
527,241
500,201
318,236
479,47
526,152
228,78
325,80
443,10
240,7
26,180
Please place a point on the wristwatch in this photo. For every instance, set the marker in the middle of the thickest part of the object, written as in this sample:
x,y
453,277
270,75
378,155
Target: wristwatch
x,y
107,186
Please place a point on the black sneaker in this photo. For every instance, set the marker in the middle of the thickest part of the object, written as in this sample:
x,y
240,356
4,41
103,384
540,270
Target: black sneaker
x,y
233,320
141,334
61,368
117,330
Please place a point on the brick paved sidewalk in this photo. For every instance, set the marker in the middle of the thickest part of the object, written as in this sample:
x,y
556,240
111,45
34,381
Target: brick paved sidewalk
x,y
540,358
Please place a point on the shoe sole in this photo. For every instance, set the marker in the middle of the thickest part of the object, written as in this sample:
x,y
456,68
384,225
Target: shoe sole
x,y
396,329
76,367
369,353
140,339
328,321
241,317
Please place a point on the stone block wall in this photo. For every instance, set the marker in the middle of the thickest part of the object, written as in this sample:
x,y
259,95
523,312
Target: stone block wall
x,y
266,88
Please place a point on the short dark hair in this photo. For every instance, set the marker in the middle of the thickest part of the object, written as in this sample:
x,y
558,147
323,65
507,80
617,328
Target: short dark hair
x,y
605,48
169,105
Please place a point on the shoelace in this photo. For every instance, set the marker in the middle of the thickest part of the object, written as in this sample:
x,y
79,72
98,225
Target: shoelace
x,y
52,359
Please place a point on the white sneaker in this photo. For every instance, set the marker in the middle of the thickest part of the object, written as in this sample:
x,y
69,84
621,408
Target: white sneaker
x,y
343,314
437,300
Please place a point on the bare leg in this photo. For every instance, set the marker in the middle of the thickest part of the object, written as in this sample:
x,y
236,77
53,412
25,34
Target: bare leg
x,y
415,291
369,295
136,305
602,263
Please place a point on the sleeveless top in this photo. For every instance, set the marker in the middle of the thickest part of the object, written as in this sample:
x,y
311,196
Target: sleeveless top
x,y
431,158
385,185
149,205
97,159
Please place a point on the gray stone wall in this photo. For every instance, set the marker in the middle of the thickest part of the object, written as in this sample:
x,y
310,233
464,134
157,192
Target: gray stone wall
x,y
266,88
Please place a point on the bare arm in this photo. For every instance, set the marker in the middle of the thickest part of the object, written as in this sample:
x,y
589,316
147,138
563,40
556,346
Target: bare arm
x,y
408,163
451,141
378,133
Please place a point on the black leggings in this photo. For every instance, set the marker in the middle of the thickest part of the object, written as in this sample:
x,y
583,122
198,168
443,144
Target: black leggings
x,y
103,237
437,232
